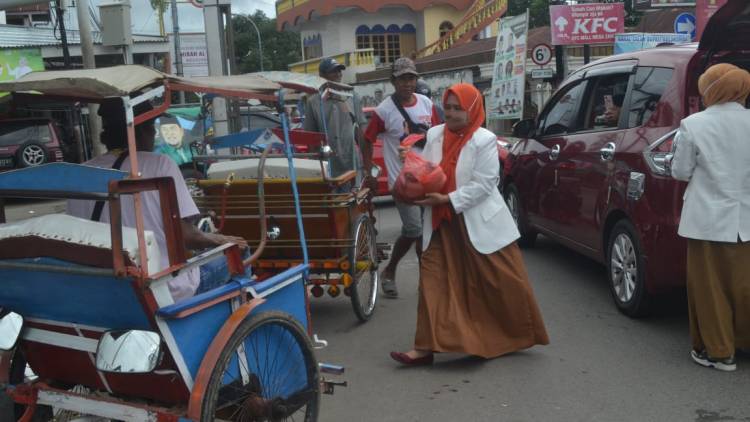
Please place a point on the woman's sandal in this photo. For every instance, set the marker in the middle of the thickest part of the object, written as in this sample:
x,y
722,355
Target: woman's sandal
x,y
406,360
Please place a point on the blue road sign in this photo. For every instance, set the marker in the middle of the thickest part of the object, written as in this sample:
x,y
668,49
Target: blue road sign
x,y
684,23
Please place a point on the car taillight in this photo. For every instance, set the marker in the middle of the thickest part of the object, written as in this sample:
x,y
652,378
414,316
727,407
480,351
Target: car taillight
x,y
656,154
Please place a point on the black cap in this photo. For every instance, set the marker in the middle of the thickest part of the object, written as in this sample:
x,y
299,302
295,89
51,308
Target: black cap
x,y
329,65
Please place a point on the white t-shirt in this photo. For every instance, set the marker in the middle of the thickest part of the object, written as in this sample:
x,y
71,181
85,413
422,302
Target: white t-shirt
x,y
150,165
389,125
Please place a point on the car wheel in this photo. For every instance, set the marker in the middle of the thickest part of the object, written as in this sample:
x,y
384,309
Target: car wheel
x,y
626,271
513,200
31,155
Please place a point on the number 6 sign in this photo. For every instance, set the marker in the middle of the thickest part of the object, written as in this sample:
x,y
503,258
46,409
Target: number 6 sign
x,y
541,54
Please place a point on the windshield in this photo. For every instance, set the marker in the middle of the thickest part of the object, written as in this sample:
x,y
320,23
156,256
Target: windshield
x,y
16,133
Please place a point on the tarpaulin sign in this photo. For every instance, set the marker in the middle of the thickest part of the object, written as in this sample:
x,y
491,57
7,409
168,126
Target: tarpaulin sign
x,y
704,9
636,41
505,100
593,23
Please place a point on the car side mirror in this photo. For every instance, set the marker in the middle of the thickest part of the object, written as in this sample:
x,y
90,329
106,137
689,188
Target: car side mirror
x,y
524,129
10,329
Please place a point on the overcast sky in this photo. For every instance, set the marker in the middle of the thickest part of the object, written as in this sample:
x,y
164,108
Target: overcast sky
x,y
145,19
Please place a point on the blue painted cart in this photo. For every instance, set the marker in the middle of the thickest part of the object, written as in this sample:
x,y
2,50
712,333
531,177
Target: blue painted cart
x,y
83,304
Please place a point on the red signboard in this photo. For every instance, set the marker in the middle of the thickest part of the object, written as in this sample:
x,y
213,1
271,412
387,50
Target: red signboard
x,y
704,9
592,23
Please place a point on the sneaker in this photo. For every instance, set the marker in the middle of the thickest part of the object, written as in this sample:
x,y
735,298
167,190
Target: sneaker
x,y
702,358
389,287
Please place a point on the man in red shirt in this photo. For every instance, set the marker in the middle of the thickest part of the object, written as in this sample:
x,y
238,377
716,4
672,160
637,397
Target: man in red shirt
x,y
389,123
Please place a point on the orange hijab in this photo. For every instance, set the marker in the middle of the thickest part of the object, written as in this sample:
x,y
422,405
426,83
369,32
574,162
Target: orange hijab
x,y
724,83
471,101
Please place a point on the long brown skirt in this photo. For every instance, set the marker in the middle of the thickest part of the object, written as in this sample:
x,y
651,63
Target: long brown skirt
x,y
473,303
718,287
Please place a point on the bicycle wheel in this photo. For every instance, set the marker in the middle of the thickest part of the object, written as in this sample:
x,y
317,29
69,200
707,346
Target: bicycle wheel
x,y
266,372
364,269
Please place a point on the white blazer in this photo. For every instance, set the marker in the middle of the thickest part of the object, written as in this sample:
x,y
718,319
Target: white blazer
x,y
488,221
712,153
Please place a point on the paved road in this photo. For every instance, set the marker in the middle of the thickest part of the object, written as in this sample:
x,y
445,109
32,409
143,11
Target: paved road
x,y
600,366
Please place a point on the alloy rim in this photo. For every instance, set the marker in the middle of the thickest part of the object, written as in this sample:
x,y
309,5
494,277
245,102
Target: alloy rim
x,y
33,155
513,206
624,267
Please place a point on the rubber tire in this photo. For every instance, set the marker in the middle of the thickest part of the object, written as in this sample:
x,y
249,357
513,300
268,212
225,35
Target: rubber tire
x,y
640,304
20,162
528,236
243,331
359,310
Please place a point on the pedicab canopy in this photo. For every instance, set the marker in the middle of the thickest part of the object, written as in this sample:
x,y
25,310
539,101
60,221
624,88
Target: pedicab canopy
x,y
119,81
305,82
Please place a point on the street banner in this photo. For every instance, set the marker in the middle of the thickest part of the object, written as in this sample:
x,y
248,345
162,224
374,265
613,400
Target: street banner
x,y
704,9
17,62
194,54
593,23
509,73
649,4
636,41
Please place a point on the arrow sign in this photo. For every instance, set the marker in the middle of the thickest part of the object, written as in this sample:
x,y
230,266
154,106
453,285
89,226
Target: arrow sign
x,y
685,24
561,23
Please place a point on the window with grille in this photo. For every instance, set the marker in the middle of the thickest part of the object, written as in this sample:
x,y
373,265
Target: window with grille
x,y
445,28
389,43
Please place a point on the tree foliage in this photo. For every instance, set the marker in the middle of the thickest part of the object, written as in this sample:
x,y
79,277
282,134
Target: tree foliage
x,y
160,6
539,10
280,48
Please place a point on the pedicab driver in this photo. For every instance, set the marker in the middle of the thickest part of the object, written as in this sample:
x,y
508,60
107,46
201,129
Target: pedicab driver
x,y
114,136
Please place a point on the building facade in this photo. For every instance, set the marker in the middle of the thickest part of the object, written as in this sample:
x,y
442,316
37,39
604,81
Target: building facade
x,y
367,35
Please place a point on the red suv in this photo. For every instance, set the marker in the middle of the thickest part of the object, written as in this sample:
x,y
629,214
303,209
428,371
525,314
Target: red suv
x,y
590,172
28,142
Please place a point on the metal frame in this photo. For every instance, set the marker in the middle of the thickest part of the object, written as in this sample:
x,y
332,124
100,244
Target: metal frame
x,y
150,287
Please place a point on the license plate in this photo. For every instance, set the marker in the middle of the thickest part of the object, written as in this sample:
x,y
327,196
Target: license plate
x,y
6,162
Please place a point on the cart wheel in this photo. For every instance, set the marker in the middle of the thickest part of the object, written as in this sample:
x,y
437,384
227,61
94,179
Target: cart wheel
x,y
364,269
266,372
16,376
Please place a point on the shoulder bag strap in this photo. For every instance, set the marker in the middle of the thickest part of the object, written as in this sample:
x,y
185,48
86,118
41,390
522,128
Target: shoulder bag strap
x,y
412,126
96,215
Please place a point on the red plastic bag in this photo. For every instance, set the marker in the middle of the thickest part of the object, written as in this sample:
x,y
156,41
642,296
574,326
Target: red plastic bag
x,y
418,177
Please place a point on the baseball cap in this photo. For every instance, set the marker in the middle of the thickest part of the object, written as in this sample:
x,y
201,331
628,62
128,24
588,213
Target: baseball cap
x,y
329,65
403,66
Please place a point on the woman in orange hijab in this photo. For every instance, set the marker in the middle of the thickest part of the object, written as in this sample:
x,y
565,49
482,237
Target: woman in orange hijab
x,y
474,293
711,153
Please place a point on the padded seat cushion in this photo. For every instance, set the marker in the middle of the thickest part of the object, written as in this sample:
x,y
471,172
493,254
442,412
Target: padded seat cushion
x,y
276,168
78,231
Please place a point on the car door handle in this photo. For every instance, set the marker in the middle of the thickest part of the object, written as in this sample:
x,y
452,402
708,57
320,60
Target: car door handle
x,y
608,152
554,152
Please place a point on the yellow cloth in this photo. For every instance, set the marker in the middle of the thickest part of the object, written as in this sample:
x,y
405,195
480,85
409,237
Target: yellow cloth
x,y
724,83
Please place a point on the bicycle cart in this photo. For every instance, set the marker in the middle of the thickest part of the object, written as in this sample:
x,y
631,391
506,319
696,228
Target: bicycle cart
x,y
336,213
86,305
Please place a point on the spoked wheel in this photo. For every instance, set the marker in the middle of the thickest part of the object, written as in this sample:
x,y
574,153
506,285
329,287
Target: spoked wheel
x,y
364,269
266,372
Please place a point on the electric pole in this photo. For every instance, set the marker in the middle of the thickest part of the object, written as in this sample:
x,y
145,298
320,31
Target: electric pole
x,y
63,35
177,48
89,62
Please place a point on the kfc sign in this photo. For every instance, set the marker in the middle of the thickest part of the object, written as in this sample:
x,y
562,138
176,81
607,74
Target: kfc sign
x,y
593,23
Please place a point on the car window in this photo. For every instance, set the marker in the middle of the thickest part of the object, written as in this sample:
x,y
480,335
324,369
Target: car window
x,y
604,104
648,86
16,133
561,116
